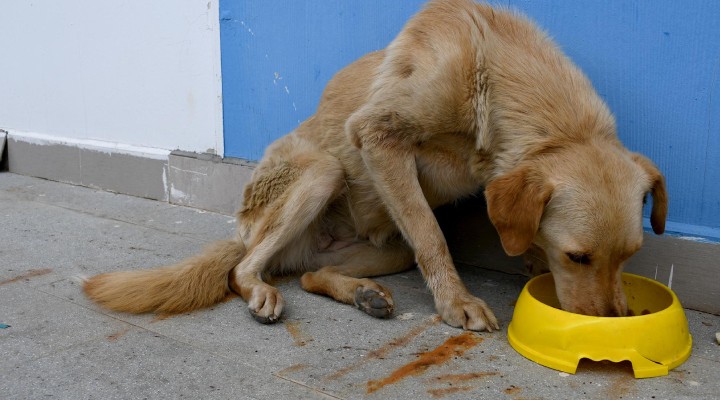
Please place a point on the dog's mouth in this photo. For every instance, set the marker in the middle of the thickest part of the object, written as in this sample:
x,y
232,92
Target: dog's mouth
x,y
580,300
596,309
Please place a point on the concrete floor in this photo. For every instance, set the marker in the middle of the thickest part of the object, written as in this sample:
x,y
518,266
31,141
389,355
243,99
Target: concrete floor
x,y
55,343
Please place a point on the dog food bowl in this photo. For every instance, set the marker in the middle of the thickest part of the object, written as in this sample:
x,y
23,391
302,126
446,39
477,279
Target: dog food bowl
x,y
655,340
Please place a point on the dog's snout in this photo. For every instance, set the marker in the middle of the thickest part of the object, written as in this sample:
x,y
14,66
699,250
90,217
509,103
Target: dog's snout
x,y
619,308
616,311
613,306
600,310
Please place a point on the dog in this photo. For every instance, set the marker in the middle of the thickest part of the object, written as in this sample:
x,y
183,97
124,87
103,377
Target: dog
x,y
466,97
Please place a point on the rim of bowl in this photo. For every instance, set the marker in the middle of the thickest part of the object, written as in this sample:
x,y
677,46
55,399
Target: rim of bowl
x,y
644,279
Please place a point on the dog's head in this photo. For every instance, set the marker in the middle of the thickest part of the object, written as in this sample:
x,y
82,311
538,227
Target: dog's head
x,y
582,206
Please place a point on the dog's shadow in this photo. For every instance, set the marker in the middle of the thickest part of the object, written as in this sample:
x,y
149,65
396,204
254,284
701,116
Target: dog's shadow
x,y
472,238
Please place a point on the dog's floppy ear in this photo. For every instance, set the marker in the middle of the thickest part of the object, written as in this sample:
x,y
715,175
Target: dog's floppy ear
x,y
516,202
658,192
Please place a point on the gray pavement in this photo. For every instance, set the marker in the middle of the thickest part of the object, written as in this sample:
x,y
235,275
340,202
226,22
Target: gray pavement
x,y
59,345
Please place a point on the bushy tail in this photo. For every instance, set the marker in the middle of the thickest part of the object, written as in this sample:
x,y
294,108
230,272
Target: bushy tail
x,y
197,282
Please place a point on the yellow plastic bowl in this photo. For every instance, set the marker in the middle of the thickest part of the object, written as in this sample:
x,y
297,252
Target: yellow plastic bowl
x,y
655,340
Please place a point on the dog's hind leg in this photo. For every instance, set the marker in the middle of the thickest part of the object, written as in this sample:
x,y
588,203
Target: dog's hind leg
x,y
319,179
344,278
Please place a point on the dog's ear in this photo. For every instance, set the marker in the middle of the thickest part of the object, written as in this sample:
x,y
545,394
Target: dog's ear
x,y
658,192
516,202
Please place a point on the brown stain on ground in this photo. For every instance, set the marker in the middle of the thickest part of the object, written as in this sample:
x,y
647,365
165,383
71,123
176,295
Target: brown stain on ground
x,y
438,393
163,316
27,275
459,378
299,337
452,380
512,390
384,350
454,346
402,341
291,369
622,386
117,335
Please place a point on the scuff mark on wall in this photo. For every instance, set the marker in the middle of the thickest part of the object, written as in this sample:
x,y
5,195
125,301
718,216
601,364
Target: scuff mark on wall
x,y
177,195
250,31
188,171
696,239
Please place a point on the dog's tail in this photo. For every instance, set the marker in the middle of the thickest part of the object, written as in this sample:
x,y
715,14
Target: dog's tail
x,y
197,282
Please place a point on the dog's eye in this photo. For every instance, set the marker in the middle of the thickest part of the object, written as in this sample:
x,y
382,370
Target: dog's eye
x,y
579,258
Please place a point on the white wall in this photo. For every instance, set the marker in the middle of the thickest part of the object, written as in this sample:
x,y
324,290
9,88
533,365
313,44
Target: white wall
x,y
141,73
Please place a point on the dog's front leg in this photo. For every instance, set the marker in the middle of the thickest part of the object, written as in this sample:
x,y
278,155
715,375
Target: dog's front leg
x,y
391,164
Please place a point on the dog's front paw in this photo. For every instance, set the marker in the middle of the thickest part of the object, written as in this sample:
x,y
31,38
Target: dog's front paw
x,y
266,304
467,312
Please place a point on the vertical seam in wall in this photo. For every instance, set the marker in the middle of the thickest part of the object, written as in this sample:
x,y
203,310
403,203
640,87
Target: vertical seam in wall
x,y
166,179
219,134
81,181
3,144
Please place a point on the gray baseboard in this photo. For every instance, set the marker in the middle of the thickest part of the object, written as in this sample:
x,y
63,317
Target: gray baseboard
x,y
216,184
201,181
112,171
207,181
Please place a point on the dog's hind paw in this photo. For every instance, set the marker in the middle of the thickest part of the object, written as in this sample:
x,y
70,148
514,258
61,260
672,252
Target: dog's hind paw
x,y
379,304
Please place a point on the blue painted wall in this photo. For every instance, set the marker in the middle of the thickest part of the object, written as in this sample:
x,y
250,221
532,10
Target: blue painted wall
x,y
656,63
277,56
